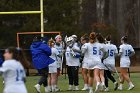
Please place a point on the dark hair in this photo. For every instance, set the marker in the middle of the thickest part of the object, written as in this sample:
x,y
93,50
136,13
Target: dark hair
x,y
85,37
125,38
108,38
100,38
18,55
37,38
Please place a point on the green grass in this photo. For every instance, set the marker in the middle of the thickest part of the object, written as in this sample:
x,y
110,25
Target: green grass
x,y
63,84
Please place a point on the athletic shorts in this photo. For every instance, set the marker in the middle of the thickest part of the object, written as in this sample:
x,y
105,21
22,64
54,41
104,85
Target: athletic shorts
x,y
110,67
125,64
85,65
94,64
19,88
52,69
99,66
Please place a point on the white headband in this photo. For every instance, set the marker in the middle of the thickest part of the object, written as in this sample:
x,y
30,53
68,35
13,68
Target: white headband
x,y
57,36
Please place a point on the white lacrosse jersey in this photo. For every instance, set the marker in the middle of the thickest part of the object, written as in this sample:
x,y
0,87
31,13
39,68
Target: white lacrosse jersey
x,y
54,56
93,51
101,53
60,50
70,60
112,50
13,74
86,53
126,50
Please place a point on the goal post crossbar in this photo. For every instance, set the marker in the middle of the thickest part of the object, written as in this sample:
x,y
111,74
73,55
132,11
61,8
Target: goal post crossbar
x,y
20,12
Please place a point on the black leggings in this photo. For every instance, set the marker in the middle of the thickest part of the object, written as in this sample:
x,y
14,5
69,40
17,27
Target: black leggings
x,y
44,75
73,75
107,76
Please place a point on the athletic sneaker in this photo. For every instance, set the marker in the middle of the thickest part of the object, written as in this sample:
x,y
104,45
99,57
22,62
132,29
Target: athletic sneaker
x,y
102,87
76,88
106,90
131,87
115,86
70,88
120,87
55,90
47,90
85,88
37,87
91,91
98,87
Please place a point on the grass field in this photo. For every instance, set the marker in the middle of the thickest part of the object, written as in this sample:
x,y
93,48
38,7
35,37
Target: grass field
x,y
63,84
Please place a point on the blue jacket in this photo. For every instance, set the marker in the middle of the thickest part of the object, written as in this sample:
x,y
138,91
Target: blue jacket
x,y
1,60
40,55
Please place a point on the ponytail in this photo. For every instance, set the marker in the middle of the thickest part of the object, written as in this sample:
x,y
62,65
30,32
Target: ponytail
x,y
92,37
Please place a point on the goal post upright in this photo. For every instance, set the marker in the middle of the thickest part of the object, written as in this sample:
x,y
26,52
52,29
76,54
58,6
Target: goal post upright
x,y
41,17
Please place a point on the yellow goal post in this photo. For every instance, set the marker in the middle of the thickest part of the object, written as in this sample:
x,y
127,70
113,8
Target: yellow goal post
x,y
30,12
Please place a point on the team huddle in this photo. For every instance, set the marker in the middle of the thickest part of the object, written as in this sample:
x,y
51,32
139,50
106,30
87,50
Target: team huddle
x,y
94,54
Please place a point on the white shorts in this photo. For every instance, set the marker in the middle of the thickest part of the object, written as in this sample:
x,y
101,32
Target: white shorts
x,y
125,64
100,66
85,65
52,69
19,88
109,66
94,64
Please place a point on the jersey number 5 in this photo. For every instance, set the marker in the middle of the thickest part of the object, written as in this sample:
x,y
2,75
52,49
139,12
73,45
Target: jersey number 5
x,y
94,50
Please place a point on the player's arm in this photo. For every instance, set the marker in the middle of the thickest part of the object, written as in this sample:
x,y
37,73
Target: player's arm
x,y
5,67
76,49
116,52
132,51
105,53
83,49
120,51
24,77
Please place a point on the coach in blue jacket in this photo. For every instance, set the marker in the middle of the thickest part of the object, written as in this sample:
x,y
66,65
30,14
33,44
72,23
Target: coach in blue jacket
x,y
41,60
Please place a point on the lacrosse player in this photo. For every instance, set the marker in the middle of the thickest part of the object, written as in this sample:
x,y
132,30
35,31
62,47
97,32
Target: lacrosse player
x,y
92,50
73,62
101,40
84,41
13,71
59,45
52,77
109,63
125,52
